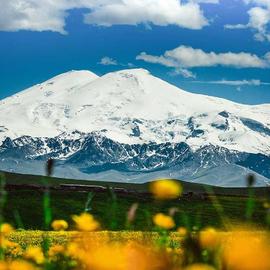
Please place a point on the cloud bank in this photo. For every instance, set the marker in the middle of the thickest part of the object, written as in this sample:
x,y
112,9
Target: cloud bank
x,y
188,57
157,12
252,82
48,15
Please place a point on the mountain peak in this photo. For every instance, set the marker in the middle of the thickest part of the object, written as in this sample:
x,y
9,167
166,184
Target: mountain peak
x,y
133,106
135,71
75,75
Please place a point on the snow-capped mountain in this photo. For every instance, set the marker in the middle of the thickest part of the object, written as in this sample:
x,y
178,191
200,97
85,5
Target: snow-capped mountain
x,y
132,126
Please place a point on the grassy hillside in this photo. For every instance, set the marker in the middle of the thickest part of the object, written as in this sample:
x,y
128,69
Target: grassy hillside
x,y
25,195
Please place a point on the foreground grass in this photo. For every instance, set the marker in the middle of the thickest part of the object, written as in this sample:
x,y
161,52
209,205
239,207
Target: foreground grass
x,y
24,209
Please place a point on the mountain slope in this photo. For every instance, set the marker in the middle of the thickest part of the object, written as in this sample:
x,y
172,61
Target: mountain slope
x,y
41,109
132,122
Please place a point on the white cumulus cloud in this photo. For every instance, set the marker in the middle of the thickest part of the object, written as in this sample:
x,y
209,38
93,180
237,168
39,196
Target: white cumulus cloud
x,y
188,57
157,12
37,15
50,15
259,19
183,72
107,61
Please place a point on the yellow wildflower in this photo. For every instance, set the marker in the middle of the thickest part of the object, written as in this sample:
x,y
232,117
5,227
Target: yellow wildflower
x,y
143,257
122,257
56,250
5,243
166,189
182,231
3,266
106,257
35,254
209,238
20,265
6,228
59,225
199,266
11,248
85,222
73,250
15,251
266,205
164,221
246,251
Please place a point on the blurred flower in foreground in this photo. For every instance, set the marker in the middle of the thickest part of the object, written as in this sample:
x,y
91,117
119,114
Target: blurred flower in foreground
x,y
182,231
173,211
73,250
85,222
6,244
35,254
56,250
166,189
6,228
163,221
200,267
59,225
209,238
246,251
20,265
132,212
251,180
105,258
119,256
15,250
3,266
266,205
49,167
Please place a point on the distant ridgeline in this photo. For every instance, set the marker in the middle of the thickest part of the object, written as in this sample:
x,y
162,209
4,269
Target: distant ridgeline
x,y
96,157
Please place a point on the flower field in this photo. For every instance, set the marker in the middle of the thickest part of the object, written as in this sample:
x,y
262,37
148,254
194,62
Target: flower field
x,y
239,249
84,242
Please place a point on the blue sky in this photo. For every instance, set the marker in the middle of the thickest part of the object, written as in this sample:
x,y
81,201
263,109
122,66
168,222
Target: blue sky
x,y
221,48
